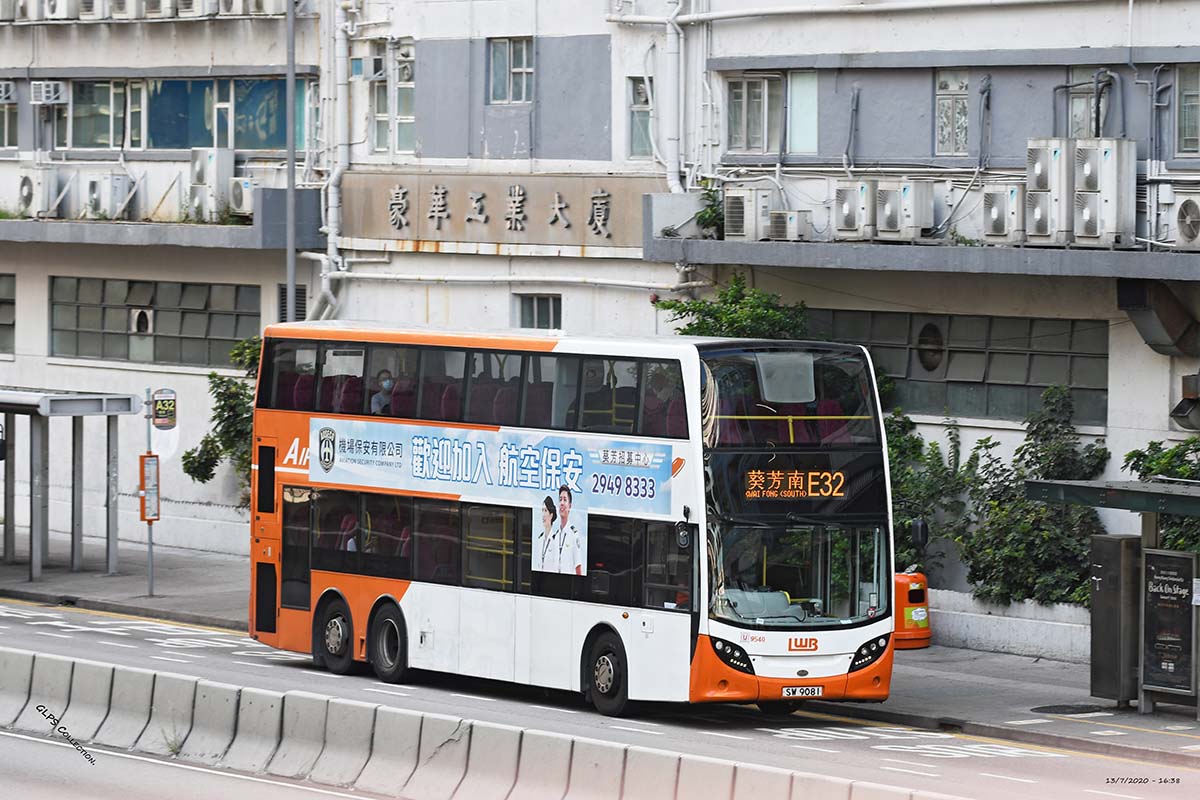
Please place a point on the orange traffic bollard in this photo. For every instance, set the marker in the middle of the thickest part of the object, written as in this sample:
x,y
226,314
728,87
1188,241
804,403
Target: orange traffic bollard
x,y
912,611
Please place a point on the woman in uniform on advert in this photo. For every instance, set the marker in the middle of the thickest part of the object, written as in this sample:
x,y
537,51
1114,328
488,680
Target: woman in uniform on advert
x,y
545,545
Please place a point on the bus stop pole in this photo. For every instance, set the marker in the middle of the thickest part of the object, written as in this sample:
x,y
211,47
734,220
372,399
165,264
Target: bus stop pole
x,y
10,489
39,499
149,523
111,496
76,494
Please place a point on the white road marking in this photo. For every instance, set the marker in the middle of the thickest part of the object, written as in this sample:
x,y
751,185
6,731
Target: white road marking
x,y
1190,747
118,644
176,660
818,749
1089,715
1107,733
910,763
724,735
474,697
643,722
1007,778
178,765
636,730
5,627
55,635
552,708
322,673
387,691
1113,794
912,772
1027,721
1168,727
255,664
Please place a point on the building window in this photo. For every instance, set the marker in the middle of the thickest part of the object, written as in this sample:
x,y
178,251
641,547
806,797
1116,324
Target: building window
x,y
101,115
511,70
953,112
802,112
301,302
982,367
246,113
755,114
380,107
406,120
1083,102
1189,109
640,106
541,311
8,313
151,321
8,125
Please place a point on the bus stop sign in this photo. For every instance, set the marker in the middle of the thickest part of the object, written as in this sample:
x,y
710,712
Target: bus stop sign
x,y
163,409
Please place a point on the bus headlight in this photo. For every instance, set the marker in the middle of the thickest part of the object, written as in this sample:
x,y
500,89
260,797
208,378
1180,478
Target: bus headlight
x,y
869,652
732,656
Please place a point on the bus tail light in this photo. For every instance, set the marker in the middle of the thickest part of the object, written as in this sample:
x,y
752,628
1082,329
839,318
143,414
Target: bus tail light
x,y
733,655
869,652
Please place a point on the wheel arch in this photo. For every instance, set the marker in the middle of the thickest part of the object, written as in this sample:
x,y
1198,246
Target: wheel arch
x,y
380,603
327,597
597,630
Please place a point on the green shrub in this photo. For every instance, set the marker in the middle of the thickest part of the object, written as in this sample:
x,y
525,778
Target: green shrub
x,y
740,311
1180,461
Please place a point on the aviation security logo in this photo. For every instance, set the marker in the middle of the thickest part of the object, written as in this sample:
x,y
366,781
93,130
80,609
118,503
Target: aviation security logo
x,y
327,447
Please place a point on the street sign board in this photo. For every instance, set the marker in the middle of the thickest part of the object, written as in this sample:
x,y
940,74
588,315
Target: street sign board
x,y
163,407
148,463
1168,622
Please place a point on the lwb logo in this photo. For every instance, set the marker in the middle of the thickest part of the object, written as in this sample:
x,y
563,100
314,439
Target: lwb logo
x,y
326,447
797,645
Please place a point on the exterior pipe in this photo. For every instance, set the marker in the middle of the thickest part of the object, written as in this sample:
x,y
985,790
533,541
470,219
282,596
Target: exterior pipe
x,y
812,11
327,301
673,55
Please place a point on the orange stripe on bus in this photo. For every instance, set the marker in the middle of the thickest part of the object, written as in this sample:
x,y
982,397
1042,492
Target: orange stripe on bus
x,y
467,340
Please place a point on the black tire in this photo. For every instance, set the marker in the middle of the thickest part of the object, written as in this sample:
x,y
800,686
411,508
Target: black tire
x,y
780,708
333,638
387,645
607,674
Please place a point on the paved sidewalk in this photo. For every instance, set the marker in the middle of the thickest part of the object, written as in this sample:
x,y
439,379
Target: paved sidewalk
x,y
189,585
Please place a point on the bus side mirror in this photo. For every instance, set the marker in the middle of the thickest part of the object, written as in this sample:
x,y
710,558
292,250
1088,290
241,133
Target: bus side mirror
x,y
920,533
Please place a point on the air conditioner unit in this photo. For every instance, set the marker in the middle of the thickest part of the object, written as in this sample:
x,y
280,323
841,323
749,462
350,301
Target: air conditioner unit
x,y
1185,222
127,9
8,91
160,9
8,10
273,7
854,209
1003,213
93,9
233,8
790,226
903,209
106,196
196,8
1105,192
47,93
37,188
747,212
61,9
241,196
211,170
1049,182
28,10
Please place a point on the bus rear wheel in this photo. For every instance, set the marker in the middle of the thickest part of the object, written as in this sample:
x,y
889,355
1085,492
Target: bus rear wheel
x,y
780,708
608,675
388,645
334,638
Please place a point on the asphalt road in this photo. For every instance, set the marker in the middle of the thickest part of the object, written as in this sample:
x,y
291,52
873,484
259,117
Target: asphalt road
x,y
987,769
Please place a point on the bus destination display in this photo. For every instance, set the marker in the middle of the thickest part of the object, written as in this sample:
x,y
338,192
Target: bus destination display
x,y
778,484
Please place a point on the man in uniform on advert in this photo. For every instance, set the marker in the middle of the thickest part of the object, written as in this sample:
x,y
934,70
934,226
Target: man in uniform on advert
x,y
570,542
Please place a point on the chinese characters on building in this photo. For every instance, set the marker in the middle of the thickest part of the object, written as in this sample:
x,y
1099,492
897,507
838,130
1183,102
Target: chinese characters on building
x,y
441,205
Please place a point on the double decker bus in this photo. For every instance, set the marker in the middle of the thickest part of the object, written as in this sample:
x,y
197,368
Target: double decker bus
x,y
667,519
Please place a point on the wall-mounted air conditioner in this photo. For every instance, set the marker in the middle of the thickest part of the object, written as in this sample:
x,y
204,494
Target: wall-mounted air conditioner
x,y
241,196
903,209
790,226
747,212
1049,182
273,7
1003,213
854,209
61,9
160,9
93,9
105,196
1185,221
8,92
1105,199
28,10
127,9
37,189
47,93
196,8
8,10
233,8
211,170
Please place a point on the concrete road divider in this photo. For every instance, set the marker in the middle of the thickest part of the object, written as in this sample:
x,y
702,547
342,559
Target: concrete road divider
x,y
129,708
597,770
865,790
259,719
752,782
349,727
91,689
303,736
214,722
491,763
651,774
544,770
16,673
825,787
394,751
170,715
442,760
49,694
704,777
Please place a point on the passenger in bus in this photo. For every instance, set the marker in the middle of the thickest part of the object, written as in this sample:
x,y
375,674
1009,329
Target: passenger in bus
x,y
381,401
570,543
544,539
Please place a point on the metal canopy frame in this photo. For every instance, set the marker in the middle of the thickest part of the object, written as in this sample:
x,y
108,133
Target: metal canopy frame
x,y
40,405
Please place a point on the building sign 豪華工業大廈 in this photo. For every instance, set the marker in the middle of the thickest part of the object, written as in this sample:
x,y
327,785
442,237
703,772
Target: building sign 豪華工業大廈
x,y
598,211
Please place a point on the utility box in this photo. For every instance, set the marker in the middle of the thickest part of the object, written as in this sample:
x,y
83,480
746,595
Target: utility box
x,y
1115,571
912,611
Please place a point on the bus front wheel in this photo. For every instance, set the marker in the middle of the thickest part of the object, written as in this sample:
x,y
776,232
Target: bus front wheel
x,y
608,675
334,645
388,645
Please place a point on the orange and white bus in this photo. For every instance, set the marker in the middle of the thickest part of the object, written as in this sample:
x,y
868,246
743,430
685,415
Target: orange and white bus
x,y
669,519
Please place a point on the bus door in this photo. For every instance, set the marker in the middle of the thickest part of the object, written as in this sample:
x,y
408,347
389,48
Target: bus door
x,y
265,547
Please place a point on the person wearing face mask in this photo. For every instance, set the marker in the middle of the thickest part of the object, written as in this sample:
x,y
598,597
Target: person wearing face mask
x,y
381,401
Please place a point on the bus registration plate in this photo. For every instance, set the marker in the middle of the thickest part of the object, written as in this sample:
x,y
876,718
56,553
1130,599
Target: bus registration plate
x,y
802,691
